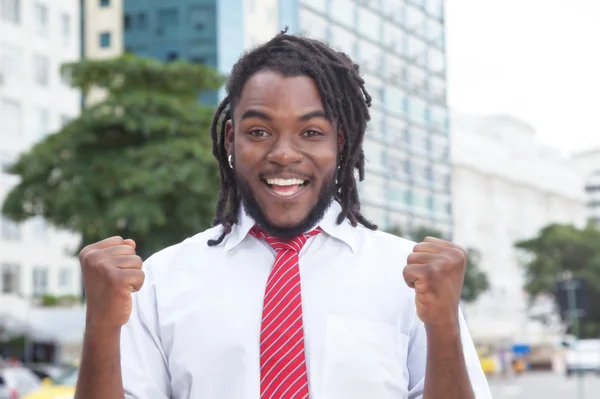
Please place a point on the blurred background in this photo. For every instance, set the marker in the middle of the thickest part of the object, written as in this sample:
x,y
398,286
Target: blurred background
x,y
483,131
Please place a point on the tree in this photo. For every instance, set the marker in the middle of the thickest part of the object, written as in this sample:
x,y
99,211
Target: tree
x,y
560,248
137,164
476,281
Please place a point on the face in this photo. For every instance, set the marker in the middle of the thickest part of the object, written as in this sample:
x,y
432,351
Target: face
x,y
285,152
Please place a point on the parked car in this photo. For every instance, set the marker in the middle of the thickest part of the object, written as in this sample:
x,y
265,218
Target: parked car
x,y
16,382
62,388
583,356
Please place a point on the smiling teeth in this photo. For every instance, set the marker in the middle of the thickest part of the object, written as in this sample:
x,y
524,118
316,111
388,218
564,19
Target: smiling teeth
x,y
284,182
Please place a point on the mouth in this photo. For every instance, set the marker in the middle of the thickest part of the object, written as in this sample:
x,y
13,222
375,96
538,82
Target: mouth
x,y
286,187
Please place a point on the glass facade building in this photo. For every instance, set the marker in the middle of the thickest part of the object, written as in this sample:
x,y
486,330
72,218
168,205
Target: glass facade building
x,y
210,32
400,47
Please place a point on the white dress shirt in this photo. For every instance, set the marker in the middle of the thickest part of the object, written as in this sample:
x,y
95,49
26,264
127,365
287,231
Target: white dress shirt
x,y
194,332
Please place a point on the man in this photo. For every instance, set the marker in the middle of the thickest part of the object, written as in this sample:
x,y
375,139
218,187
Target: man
x,y
293,293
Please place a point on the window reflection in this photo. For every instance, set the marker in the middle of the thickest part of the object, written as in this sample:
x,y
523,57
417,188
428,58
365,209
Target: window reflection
x,y
369,23
370,55
393,9
417,50
394,38
317,5
313,25
435,60
415,20
343,40
343,12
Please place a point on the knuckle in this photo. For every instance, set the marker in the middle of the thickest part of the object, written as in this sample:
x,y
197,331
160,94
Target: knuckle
x,y
412,258
459,254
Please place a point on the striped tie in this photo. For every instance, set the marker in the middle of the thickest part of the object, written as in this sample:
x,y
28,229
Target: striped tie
x,y
282,361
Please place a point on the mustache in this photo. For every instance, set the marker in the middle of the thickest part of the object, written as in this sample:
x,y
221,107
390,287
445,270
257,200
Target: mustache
x,y
285,171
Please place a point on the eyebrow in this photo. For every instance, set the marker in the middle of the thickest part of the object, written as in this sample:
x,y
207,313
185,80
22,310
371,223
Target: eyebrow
x,y
253,113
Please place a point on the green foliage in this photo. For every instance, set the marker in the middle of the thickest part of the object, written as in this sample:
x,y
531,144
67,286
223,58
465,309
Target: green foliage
x,y
138,164
561,248
63,300
476,281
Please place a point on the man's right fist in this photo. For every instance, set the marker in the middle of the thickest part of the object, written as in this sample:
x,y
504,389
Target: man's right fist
x,y
111,271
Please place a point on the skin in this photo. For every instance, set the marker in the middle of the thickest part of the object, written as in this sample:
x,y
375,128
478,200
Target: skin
x,y
111,272
436,270
279,130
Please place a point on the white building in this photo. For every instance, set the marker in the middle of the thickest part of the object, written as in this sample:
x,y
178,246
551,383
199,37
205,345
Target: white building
x,y
588,163
36,37
506,186
102,34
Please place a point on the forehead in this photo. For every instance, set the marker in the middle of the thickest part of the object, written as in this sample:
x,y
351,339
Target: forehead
x,y
286,94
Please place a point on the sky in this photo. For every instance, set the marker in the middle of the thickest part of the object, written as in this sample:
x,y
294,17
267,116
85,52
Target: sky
x,y
538,60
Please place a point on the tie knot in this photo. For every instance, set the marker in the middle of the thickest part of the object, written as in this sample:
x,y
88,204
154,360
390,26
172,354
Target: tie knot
x,y
295,244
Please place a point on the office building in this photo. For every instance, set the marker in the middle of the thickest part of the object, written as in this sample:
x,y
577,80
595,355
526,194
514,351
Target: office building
x,y
506,186
588,163
36,37
400,48
211,32
101,34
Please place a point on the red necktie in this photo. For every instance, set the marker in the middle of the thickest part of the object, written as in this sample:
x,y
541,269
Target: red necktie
x,y
282,362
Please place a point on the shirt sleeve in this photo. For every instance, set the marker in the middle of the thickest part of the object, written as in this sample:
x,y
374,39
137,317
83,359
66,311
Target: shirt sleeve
x,y
143,361
417,356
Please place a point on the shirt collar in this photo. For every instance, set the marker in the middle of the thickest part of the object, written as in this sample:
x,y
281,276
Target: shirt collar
x,y
343,232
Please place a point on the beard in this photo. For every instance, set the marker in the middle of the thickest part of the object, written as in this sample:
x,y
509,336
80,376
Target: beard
x,y
256,212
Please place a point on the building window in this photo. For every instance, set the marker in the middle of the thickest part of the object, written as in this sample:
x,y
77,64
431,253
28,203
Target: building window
x,y
64,120
9,230
10,10
105,39
430,203
167,19
40,280
39,227
40,69
126,22
104,3
40,15
10,117
65,22
172,56
65,278
429,173
10,63
407,167
10,278
6,161
142,20
65,78
42,122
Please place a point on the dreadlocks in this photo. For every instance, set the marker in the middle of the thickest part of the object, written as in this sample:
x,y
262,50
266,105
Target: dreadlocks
x,y
344,97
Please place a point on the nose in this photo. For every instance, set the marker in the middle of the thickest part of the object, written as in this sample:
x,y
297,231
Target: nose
x,y
284,152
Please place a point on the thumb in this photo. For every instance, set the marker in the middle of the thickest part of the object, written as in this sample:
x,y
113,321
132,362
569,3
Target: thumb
x,y
129,242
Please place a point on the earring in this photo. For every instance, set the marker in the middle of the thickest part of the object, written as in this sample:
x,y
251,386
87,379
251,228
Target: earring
x,y
230,159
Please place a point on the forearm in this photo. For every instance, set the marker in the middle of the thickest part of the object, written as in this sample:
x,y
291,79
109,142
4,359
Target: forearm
x,y
100,371
446,375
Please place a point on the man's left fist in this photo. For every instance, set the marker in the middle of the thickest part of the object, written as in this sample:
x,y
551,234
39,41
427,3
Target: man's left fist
x,y
436,270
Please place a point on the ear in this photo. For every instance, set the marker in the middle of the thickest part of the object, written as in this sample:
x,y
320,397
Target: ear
x,y
341,140
229,135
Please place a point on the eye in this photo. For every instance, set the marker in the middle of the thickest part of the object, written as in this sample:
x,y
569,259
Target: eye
x,y
312,133
258,133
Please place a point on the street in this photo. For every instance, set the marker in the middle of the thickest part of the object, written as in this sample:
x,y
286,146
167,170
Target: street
x,y
544,386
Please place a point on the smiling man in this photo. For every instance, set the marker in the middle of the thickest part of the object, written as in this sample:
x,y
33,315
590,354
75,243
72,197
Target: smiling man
x,y
292,294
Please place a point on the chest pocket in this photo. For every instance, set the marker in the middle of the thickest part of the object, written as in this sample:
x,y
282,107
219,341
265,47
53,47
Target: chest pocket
x,y
364,359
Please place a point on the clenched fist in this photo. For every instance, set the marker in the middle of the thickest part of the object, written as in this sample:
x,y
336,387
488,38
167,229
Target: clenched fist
x,y
111,271
436,270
